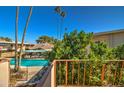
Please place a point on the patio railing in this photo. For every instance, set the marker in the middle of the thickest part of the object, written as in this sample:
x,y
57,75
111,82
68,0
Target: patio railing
x,y
87,73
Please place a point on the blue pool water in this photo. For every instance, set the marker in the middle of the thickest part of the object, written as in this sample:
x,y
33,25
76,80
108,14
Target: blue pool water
x,y
31,62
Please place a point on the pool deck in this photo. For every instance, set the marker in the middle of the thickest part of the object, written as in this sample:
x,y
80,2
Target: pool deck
x,y
32,71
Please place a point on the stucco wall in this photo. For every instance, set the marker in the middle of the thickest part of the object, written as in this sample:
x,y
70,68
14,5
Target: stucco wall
x,y
103,38
112,40
4,73
118,39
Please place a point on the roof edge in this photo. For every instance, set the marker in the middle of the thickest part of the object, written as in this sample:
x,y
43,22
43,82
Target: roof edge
x,y
109,32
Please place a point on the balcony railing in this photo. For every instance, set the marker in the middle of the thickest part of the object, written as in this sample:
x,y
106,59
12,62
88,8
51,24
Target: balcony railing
x,y
87,73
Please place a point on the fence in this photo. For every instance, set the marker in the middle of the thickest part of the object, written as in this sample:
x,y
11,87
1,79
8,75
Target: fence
x,y
87,73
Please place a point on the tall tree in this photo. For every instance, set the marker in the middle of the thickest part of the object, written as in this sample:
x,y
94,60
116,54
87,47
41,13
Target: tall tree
x,y
16,40
58,11
24,33
63,14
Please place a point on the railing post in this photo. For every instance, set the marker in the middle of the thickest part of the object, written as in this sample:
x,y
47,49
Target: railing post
x,y
90,73
109,72
103,72
66,78
60,72
121,71
78,72
72,71
84,75
115,73
53,74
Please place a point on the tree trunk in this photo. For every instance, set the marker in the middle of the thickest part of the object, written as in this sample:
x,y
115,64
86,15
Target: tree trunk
x,y
24,33
16,40
61,29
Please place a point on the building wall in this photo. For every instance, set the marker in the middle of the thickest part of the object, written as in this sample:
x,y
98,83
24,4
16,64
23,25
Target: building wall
x,y
11,46
118,39
102,38
4,73
112,40
7,54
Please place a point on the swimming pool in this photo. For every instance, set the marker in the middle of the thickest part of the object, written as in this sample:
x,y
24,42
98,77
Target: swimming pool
x,y
31,62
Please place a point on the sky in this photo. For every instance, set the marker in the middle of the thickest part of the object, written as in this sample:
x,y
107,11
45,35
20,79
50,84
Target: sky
x,y
45,21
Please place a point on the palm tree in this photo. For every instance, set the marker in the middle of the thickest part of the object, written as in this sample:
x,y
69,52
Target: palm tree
x,y
16,40
58,11
63,16
24,33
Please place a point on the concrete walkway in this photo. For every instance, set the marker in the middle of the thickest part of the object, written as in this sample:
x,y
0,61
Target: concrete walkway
x,y
46,79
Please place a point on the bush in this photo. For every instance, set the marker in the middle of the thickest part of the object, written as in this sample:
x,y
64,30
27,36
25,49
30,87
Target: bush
x,y
79,45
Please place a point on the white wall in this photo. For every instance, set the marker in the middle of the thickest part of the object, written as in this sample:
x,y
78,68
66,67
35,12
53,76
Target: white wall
x,y
4,73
